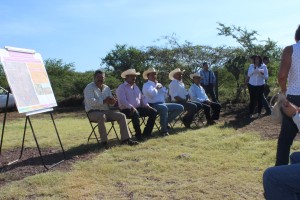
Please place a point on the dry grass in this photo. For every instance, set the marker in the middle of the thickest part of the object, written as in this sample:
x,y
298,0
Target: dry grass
x,y
208,163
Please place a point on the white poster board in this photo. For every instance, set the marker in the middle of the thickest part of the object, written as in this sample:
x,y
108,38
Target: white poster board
x,y
28,80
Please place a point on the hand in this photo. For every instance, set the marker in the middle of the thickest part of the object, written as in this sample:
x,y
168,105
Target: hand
x,y
289,109
208,101
110,100
158,86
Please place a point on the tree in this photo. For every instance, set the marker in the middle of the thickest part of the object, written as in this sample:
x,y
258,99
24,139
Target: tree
x,y
62,77
123,58
250,45
3,81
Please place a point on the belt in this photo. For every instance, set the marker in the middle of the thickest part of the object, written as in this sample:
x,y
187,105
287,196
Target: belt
x,y
93,111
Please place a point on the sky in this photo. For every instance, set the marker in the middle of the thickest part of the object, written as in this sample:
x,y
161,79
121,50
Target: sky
x,y
83,32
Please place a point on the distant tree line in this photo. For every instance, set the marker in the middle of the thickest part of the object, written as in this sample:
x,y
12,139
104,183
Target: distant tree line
x,y
230,63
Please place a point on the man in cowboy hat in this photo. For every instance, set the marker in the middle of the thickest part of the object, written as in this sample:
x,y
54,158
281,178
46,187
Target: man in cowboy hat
x,y
134,105
197,93
97,97
155,94
179,95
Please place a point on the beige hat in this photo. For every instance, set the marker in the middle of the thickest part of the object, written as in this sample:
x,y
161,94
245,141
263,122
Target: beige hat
x,y
129,72
171,74
148,71
195,74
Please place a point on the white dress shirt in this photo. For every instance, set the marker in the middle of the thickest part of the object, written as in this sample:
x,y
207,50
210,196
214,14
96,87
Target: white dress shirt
x,y
94,97
152,94
177,88
256,78
197,93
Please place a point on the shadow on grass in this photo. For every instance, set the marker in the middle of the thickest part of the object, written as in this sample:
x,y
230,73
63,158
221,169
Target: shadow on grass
x,y
31,157
240,120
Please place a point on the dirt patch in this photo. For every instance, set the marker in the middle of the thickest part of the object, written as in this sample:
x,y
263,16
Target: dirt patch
x,y
234,116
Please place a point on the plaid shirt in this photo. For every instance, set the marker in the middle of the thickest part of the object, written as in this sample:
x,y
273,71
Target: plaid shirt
x,y
94,97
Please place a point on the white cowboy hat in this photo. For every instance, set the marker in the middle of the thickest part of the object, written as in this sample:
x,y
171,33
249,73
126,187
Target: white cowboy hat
x,y
148,71
129,72
195,74
171,74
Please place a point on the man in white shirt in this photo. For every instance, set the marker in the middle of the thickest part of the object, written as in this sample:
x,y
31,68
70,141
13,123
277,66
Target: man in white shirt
x,y
97,98
155,94
197,93
179,95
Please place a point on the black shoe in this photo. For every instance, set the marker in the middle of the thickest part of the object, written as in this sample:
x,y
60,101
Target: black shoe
x,y
166,133
139,138
186,124
130,142
147,136
214,118
209,123
104,144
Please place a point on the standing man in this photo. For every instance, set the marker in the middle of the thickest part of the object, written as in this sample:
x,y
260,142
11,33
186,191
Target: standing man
x,y
155,94
133,104
198,94
180,95
208,81
289,72
97,97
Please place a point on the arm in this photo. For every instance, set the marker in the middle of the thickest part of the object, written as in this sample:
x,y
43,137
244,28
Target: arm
x,y
213,77
285,65
250,70
266,73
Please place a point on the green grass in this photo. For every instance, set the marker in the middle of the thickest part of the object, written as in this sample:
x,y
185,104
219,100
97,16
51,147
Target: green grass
x,y
207,163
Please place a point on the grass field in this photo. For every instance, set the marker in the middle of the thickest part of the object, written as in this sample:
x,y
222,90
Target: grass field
x,y
207,163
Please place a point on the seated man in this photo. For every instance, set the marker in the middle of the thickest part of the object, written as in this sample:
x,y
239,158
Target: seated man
x,y
197,93
133,104
155,94
180,95
97,97
283,182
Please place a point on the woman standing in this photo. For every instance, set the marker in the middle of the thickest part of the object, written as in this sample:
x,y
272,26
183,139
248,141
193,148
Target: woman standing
x,y
257,73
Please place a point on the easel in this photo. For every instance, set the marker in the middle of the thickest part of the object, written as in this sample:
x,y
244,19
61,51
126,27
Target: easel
x,y
28,121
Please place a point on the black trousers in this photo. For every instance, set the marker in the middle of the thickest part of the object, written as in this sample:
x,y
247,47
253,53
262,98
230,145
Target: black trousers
x,y
192,108
256,97
142,112
287,134
215,107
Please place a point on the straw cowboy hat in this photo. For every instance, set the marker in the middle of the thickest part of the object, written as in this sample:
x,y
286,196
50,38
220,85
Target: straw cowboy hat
x,y
195,74
148,71
171,74
129,72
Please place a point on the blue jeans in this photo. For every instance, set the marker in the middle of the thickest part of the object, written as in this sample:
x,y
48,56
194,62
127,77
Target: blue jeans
x,y
283,182
167,113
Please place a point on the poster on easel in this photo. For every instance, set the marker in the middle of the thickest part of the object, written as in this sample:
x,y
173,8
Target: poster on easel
x,y
28,80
